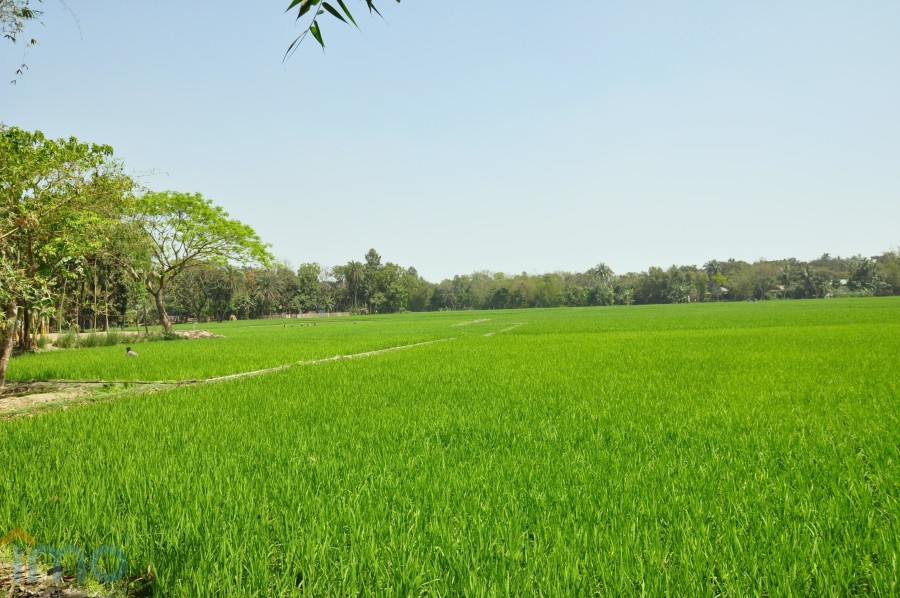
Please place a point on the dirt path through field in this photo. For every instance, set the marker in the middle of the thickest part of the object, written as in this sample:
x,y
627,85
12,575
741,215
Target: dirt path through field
x,y
481,321
19,398
513,327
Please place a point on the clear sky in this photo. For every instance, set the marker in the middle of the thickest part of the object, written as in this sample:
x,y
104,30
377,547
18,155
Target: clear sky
x,y
457,137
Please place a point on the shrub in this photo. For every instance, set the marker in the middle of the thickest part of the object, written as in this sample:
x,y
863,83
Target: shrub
x,y
67,340
91,340
115,338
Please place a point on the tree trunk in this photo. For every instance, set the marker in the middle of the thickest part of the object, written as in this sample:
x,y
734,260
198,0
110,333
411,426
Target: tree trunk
x,y
9,340
25,343
94,300
163,316
79,302
106,306
60,316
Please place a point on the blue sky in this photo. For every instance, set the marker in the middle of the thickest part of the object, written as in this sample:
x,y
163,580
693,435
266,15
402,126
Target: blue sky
x,y
462,137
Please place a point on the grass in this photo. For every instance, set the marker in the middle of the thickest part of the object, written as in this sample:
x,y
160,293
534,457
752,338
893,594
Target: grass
x,y
248,346
695,450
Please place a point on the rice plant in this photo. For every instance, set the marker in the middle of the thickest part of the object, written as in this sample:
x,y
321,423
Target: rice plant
x,y
688,450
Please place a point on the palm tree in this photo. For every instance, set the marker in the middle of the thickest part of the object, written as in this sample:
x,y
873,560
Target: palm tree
x,y
267,289
355,274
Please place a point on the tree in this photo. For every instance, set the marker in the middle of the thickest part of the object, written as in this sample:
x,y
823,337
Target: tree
x,y
718,281
195,290
863,274
601,285
168,232
811,283
354,274
309,291
268,290
58,200
889,265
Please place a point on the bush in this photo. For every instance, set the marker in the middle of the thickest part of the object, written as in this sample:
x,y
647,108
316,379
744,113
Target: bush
x,y
844,292
115,338
91,340
71,340
67,340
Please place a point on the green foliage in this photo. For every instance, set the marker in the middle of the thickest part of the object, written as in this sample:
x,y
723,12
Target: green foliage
x,y
248,345
105,339
167,233
15,15
319,8
67,340
182,228
71,340
719,449
59,200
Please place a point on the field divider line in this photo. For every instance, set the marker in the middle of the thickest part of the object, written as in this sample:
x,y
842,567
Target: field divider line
x,y
481,321
513,327
270,370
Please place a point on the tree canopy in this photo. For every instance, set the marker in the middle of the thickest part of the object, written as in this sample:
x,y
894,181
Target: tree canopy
x,y
169,232
58,199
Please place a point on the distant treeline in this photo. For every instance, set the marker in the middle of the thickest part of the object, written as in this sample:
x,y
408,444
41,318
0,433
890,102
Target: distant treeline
x,y
97,294
210,291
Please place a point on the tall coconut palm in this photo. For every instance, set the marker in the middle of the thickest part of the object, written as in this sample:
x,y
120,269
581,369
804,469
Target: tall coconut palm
x,y
267,289
355,274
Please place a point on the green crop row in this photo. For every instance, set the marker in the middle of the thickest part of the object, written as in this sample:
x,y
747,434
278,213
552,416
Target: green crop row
x,y
691,450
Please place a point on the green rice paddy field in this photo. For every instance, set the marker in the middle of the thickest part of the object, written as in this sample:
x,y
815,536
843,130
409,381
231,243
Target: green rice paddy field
x,y
740,449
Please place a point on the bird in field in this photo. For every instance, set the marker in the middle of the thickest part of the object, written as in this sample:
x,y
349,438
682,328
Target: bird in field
x,y
129,352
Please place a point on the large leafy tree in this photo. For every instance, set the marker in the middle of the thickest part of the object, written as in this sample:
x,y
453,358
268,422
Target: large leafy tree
x,y
59,199
268,290
354,275
309,295
169,232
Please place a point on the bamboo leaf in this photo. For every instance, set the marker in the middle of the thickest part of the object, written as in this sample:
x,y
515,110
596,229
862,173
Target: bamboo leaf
x,y
347,12
306,6
314,29
333,11
373,8
294,45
